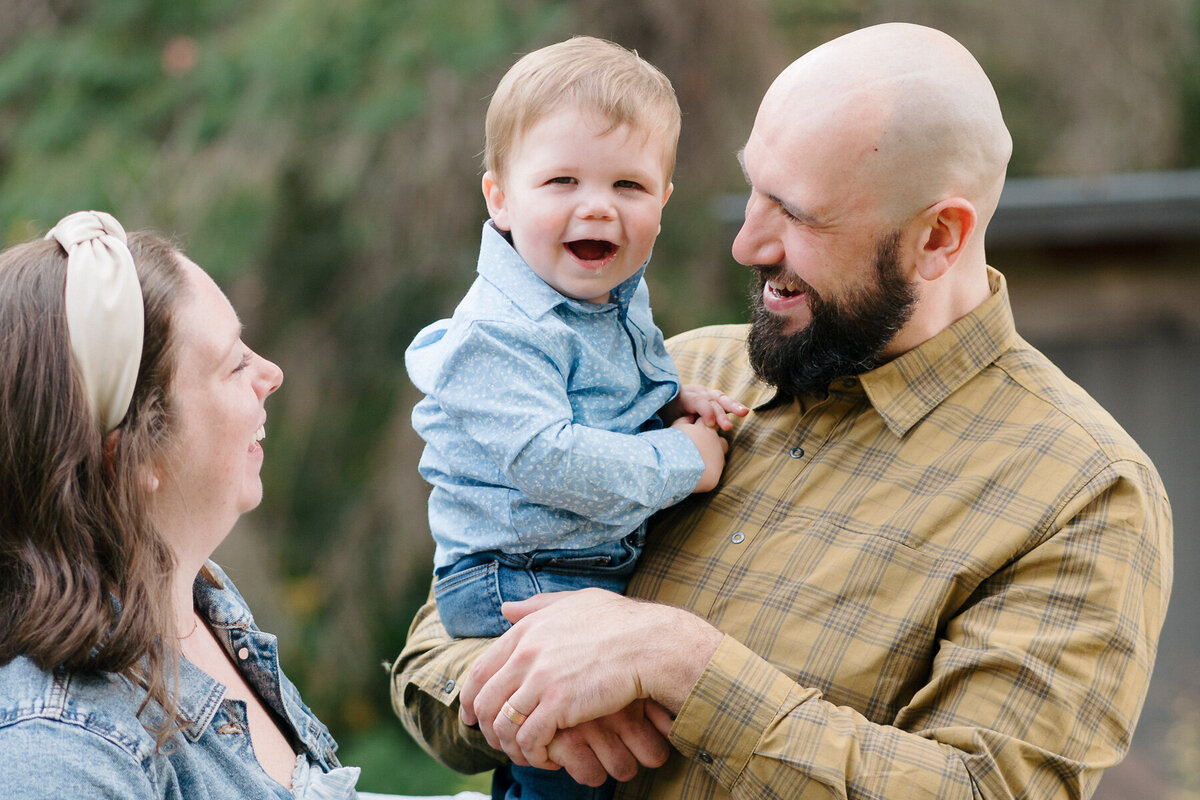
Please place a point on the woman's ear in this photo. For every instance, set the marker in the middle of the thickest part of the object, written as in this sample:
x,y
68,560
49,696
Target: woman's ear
x,y
493,193
145,474
945,229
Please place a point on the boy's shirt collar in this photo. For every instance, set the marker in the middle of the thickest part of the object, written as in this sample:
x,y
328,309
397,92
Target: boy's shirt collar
x,y
502,266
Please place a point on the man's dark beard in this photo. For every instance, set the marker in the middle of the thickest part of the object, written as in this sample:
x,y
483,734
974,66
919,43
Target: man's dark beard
x,y
843,338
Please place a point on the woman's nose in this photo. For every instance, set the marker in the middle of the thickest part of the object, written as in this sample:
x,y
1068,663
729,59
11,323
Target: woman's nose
x,y
270,377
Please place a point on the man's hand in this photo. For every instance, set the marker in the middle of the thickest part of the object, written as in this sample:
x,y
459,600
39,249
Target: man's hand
x,y
574,657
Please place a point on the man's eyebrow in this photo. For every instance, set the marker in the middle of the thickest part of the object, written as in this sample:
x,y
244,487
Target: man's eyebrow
x,y
802,216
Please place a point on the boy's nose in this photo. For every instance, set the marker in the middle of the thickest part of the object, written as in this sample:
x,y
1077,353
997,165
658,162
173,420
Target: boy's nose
x,y
596,205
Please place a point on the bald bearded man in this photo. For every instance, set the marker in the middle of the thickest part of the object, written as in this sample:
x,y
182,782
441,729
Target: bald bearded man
x,y
934,566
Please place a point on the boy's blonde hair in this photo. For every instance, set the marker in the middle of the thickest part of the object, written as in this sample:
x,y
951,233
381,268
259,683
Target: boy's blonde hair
x,y
592,74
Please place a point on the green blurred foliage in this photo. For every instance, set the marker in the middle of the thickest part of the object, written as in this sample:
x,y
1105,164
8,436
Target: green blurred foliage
x,y
321,161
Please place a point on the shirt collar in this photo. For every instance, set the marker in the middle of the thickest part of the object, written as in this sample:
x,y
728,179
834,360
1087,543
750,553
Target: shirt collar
x,y
503,267
197,694
907,388
199,697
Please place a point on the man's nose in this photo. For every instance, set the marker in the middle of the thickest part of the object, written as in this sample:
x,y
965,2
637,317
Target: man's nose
x,y
757,242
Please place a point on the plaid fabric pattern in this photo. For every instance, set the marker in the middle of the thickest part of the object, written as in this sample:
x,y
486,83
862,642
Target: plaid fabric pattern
x,y
945,578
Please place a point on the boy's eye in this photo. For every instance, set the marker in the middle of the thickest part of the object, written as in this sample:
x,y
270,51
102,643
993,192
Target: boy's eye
x,y
565,179
628,185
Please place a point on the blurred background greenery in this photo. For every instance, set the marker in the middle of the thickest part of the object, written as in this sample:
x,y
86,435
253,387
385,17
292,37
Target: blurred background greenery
x,y
321,160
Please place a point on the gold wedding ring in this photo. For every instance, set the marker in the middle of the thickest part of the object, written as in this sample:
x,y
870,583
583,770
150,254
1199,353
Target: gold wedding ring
x,y
514,716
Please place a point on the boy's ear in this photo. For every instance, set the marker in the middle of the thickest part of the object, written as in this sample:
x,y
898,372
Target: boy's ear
x,y
666,197
494,195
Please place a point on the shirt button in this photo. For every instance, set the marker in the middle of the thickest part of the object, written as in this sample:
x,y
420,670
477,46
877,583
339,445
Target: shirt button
x,y
705,758
796,452
449,687
243,654
737,538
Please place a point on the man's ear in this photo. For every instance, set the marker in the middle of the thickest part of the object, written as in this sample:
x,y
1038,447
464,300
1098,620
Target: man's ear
x,y
494,195
944,230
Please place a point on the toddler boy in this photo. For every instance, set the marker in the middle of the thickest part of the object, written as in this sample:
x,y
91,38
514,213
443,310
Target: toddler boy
x,y
554,421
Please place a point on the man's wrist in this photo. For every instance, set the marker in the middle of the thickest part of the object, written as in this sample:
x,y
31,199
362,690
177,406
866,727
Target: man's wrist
x,y
681,648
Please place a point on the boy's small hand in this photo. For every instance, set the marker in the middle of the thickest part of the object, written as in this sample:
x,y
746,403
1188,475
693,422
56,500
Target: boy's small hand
x,y
712,449
705,405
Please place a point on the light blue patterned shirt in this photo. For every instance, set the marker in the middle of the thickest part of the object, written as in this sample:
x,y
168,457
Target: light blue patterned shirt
x,y
540,415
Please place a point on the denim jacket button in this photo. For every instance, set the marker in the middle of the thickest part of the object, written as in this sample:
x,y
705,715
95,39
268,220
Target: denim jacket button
x,y
244,653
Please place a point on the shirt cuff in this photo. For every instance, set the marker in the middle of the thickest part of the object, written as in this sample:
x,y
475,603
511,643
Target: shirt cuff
x,y
737,698
680,464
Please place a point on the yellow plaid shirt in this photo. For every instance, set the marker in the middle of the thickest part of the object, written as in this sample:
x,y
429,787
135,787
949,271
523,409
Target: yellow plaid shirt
x,y
944,579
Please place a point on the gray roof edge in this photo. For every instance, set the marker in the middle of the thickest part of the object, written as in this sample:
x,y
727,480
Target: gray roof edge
x,y
1132,206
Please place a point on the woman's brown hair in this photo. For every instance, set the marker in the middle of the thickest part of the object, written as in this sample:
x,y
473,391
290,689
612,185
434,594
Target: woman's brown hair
x,y
84,573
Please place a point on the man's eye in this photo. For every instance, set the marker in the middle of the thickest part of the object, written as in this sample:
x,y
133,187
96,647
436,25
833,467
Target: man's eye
x,y
628,185
788,215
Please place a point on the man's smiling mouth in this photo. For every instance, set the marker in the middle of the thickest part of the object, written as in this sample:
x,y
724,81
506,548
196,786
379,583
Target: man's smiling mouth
x,y
785,287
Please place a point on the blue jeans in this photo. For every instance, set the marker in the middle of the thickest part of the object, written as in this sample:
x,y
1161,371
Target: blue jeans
x,y
470,591
526,783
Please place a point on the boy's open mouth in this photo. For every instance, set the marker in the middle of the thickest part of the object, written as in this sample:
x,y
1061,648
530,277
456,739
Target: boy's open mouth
x,y
591,249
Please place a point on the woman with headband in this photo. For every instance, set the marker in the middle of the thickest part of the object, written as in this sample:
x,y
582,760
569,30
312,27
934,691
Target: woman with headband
x,y
130,419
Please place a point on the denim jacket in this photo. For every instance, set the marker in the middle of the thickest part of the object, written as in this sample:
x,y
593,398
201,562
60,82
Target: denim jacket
x,y
68,736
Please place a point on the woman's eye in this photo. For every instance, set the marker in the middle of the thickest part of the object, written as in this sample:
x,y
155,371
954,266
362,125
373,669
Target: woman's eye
x,y
245,362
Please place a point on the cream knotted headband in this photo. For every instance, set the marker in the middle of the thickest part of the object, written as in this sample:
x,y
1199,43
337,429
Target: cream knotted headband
x,y
105,315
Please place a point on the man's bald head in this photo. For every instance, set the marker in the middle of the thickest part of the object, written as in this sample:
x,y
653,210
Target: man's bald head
x,y
908,111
